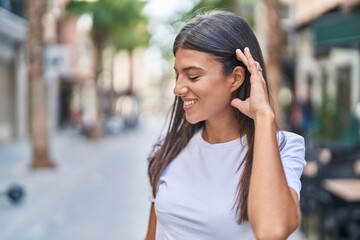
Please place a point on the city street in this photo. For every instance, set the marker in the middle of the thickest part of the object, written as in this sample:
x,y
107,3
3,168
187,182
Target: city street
x,y
98,190
67,69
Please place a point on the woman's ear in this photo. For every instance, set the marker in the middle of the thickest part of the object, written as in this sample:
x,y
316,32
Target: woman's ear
x,y
238,77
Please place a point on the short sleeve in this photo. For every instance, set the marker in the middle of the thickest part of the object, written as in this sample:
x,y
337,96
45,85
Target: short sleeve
x,y
292,153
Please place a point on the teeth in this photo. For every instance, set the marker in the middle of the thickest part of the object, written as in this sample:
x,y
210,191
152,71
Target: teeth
x,y
190,102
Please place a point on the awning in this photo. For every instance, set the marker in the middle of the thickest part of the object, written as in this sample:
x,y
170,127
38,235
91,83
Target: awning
x,y
337,29
12,27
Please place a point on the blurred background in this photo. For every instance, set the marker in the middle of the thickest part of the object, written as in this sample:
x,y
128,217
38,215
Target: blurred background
x,y
85,87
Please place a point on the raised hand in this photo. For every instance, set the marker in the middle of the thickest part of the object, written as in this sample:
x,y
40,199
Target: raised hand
x,y
258,102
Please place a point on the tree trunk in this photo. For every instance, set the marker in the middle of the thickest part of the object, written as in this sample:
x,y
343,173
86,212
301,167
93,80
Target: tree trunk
x,y
95,131
275,36
36,9
131,72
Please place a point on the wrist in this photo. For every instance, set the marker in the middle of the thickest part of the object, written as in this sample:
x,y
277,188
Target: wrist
x,y
264,117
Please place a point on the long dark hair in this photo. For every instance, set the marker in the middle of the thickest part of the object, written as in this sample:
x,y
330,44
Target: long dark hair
x,y
218,33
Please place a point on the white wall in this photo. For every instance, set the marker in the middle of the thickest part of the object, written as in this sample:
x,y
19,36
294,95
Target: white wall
x,y
21,93
307,65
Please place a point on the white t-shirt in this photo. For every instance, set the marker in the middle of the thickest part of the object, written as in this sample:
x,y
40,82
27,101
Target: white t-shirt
x,y
196,193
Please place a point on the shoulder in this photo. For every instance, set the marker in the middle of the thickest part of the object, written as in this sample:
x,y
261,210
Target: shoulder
x,y
289,138
292,154
291,143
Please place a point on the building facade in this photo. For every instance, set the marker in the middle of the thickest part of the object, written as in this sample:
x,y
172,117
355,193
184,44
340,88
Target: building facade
x,y
327,51
13,84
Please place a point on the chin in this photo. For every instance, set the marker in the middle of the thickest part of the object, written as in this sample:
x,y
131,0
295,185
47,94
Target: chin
x,y
192,120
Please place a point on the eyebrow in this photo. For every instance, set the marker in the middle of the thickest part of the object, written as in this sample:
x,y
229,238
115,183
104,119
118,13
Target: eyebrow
x,y
190,68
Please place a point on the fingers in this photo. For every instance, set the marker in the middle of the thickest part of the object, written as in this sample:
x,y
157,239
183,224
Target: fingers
x,y
246,57
242,106
252,63
241,57
259,70
239,104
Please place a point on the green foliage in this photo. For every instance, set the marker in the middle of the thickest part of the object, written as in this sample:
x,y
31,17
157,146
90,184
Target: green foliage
x,y
333,125
328,121
208,5
244,8
118,22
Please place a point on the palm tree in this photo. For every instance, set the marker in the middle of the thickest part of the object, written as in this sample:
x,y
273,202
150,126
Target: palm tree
x,y
204,5
131,33
275,41
117,23
36,9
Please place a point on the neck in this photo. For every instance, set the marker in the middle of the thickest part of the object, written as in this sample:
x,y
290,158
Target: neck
x,y
221,131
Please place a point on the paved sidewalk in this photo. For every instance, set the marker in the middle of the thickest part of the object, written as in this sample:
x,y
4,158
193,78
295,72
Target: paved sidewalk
x,y
99,190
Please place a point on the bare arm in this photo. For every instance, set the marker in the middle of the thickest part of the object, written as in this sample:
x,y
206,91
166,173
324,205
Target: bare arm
x,y
150,235
273,207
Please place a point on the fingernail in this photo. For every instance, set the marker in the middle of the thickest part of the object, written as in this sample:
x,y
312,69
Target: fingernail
x,y
247,49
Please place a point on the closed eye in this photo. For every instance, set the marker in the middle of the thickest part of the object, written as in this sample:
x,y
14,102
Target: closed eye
x,y
193,78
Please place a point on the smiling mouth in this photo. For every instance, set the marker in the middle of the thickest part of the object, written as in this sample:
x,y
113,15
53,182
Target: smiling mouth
x,y
189,102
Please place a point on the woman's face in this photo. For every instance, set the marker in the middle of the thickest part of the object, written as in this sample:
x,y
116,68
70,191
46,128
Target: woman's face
x,y
203,87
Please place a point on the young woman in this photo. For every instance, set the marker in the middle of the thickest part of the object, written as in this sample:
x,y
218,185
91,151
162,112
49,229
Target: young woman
x,y
223,171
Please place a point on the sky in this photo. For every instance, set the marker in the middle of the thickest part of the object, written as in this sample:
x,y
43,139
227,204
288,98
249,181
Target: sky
x,y
162,10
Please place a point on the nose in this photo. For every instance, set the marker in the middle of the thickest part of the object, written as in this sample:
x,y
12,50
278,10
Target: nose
x,y
180,89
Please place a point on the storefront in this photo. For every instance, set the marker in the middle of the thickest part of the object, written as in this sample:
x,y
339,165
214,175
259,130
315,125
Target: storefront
x,y
12,72
328,53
